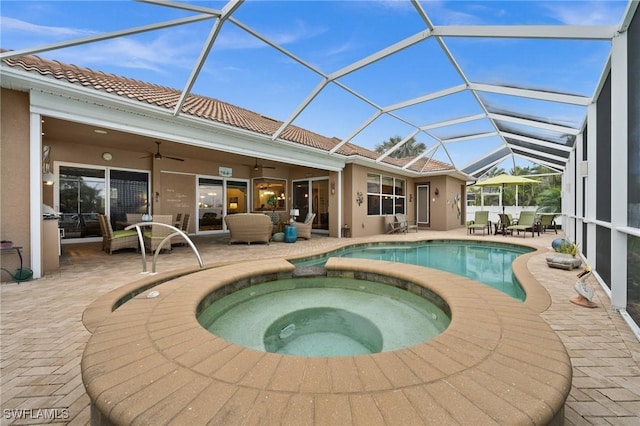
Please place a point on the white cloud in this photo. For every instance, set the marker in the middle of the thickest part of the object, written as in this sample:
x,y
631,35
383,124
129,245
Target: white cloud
x,y
23,28
161,55
236,39
586,13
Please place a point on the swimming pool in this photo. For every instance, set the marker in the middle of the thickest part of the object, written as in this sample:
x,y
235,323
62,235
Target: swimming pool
x,y
488,263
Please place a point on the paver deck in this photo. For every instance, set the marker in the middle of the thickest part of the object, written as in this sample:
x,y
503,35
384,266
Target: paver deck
x,y
43,336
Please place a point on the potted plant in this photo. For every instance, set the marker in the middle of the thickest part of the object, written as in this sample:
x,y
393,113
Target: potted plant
x,y
568,248
272,202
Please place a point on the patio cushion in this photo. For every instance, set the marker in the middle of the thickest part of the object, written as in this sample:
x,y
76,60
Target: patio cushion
x,y
309,217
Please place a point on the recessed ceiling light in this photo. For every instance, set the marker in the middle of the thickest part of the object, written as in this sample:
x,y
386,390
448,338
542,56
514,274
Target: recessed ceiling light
x,y
102,132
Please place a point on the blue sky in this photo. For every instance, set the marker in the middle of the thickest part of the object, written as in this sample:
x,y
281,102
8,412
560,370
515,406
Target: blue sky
x,y
329,35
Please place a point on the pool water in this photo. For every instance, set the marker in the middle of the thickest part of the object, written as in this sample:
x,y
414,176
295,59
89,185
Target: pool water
x,y
324,316
488,263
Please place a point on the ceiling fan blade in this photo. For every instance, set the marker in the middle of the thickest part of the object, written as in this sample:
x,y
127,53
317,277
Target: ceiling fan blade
x,y
159,156
268,167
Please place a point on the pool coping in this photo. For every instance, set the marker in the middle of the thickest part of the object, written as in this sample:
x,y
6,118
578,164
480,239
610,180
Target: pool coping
x,y
537,297
150,361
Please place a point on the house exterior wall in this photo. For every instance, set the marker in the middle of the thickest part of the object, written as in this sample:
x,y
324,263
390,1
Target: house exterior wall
x,y
443,212
14,155
14,177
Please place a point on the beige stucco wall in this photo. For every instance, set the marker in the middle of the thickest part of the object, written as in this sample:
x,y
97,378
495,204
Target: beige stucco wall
x,y
444,213
355,181
14,196
14,177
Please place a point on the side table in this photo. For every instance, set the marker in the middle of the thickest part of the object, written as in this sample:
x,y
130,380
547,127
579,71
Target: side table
x,y
290,234
346,232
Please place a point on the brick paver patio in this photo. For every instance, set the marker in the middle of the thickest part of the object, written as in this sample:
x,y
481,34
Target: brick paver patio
x,y
43,337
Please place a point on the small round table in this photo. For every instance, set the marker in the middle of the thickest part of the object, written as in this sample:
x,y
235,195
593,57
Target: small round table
x,y
290,234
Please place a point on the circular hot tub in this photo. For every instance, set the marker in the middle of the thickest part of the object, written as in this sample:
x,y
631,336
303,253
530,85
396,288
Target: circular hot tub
x,y
151,362
324,316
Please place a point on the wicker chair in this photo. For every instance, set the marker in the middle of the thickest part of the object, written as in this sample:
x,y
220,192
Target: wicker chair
x,y
134,218
178,222
304,229
118,240
154,236
103,231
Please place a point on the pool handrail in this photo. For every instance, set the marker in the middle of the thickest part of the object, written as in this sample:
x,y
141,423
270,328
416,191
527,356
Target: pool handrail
x,y
177,232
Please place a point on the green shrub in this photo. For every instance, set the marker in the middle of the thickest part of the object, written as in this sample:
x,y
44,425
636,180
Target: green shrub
x,y
569,248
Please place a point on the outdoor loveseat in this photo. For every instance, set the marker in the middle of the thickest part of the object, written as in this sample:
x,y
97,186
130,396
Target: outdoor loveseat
x,y
249,228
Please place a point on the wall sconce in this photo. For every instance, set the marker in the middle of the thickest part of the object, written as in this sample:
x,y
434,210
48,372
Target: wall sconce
x,y
157,196
333,188
437,192
294,213
410,198
359,198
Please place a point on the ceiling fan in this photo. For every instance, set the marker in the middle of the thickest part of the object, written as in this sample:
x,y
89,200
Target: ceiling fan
x,y
158,156
259,166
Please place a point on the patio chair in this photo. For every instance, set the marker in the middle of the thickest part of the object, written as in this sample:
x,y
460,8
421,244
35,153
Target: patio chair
x,y
118,240
404,223
505,222
392,224
304,229
186,222
526,222
178,222
547,221
103,230
134,218
481,221
154,235
182,225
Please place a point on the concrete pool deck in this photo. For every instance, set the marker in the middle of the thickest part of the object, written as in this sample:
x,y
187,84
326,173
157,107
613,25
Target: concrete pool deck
x,y
43,337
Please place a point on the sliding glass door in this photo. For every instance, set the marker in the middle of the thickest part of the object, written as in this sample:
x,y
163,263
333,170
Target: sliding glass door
x,y
312,195
218,198
84,192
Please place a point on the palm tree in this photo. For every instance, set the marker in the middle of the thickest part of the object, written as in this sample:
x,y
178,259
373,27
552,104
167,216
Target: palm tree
x,y
411,148
550,200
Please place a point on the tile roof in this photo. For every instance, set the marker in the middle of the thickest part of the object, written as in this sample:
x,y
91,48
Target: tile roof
x,y
203,107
